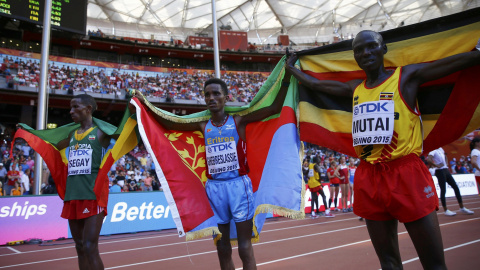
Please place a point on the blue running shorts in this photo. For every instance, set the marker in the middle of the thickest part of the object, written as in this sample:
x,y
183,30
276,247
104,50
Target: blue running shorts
x,y
231,199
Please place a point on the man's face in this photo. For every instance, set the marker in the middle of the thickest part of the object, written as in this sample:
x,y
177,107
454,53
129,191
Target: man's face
x,y
368,50
214,97
78,111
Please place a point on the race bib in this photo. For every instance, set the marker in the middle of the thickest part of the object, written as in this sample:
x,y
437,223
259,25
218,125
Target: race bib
x,y
80,161
373,122
222,157
310,173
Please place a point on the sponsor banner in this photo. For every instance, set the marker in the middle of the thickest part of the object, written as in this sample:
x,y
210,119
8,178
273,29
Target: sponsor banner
x,y
136,212
22,218
465,182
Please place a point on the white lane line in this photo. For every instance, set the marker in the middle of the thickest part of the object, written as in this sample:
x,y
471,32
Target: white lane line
x,y
195,254
161,260
310,253
447,249
12,249
29,263
177,243
332,248
181,243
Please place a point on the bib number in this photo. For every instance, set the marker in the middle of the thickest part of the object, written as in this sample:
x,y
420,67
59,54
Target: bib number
x,y
222,157
373,122
80,162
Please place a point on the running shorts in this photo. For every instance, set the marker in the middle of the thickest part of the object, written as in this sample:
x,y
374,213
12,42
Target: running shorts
x,y
231,199
80,209
401,189
334,185
343,181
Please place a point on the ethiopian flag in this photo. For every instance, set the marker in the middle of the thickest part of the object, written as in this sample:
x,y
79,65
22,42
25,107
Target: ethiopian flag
x,y
44,141
450,106
273,154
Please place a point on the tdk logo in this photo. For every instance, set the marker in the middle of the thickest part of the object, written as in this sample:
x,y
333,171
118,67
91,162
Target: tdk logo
x,y
371,107
221,147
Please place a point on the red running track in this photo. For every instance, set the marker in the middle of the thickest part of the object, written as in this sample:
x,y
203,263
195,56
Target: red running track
x,y
328,243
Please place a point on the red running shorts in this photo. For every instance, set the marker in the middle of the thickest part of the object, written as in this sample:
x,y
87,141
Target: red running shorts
x,y
401,189
80,209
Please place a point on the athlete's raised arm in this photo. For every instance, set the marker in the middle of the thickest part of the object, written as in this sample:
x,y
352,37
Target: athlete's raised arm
x,y
327,86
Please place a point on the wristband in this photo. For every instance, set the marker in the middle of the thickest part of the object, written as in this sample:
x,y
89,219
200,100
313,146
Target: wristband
x,y
286,84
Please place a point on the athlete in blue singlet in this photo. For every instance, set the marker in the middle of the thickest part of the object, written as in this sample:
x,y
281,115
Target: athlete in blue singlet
x,y
228,187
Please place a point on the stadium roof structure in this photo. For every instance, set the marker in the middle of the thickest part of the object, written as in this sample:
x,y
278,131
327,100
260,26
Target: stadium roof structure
x,y
305,21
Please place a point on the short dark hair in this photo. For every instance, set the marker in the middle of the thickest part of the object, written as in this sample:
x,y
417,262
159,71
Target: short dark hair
x,y
222,84
473,142
379,36
87,100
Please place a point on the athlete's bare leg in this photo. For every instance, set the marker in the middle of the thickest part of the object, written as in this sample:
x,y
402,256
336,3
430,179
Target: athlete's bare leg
x,y
384,238
427,239
344,188
245,249
350,196
85,233
224,248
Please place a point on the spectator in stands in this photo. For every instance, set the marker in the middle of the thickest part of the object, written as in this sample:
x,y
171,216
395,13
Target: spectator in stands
x,y
17,190
115,188
25,183
3,173
120,178
13,176
148,182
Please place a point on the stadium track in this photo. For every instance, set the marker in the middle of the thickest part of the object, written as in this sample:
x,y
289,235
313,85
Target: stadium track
x,y
328,243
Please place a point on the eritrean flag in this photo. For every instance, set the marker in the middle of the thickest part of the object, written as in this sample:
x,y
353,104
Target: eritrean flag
x,y
44,141
273,154
450,107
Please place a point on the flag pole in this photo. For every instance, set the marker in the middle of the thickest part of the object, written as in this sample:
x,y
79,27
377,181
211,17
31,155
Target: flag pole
x,y
216,54
42,95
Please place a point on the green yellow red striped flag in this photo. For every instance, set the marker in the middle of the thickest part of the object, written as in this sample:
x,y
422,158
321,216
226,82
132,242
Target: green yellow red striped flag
x,y
44,142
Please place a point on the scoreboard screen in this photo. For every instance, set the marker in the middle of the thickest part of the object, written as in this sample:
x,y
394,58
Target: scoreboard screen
x,y
68,15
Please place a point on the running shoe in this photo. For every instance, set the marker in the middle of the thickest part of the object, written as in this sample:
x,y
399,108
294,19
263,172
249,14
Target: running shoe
x,y
450,213
313,215
345,210
320,214
336,209
350,209
360,218
466,211
329,215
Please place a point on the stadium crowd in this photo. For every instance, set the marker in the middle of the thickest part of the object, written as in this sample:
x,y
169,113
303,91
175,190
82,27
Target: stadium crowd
x,y
174,85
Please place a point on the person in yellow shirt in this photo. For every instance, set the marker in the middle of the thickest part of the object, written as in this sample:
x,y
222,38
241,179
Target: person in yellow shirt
x,y
17,191
316,187
391,183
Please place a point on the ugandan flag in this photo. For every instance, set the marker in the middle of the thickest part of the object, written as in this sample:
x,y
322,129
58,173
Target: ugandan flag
x,y
273,154
44,141
449,106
